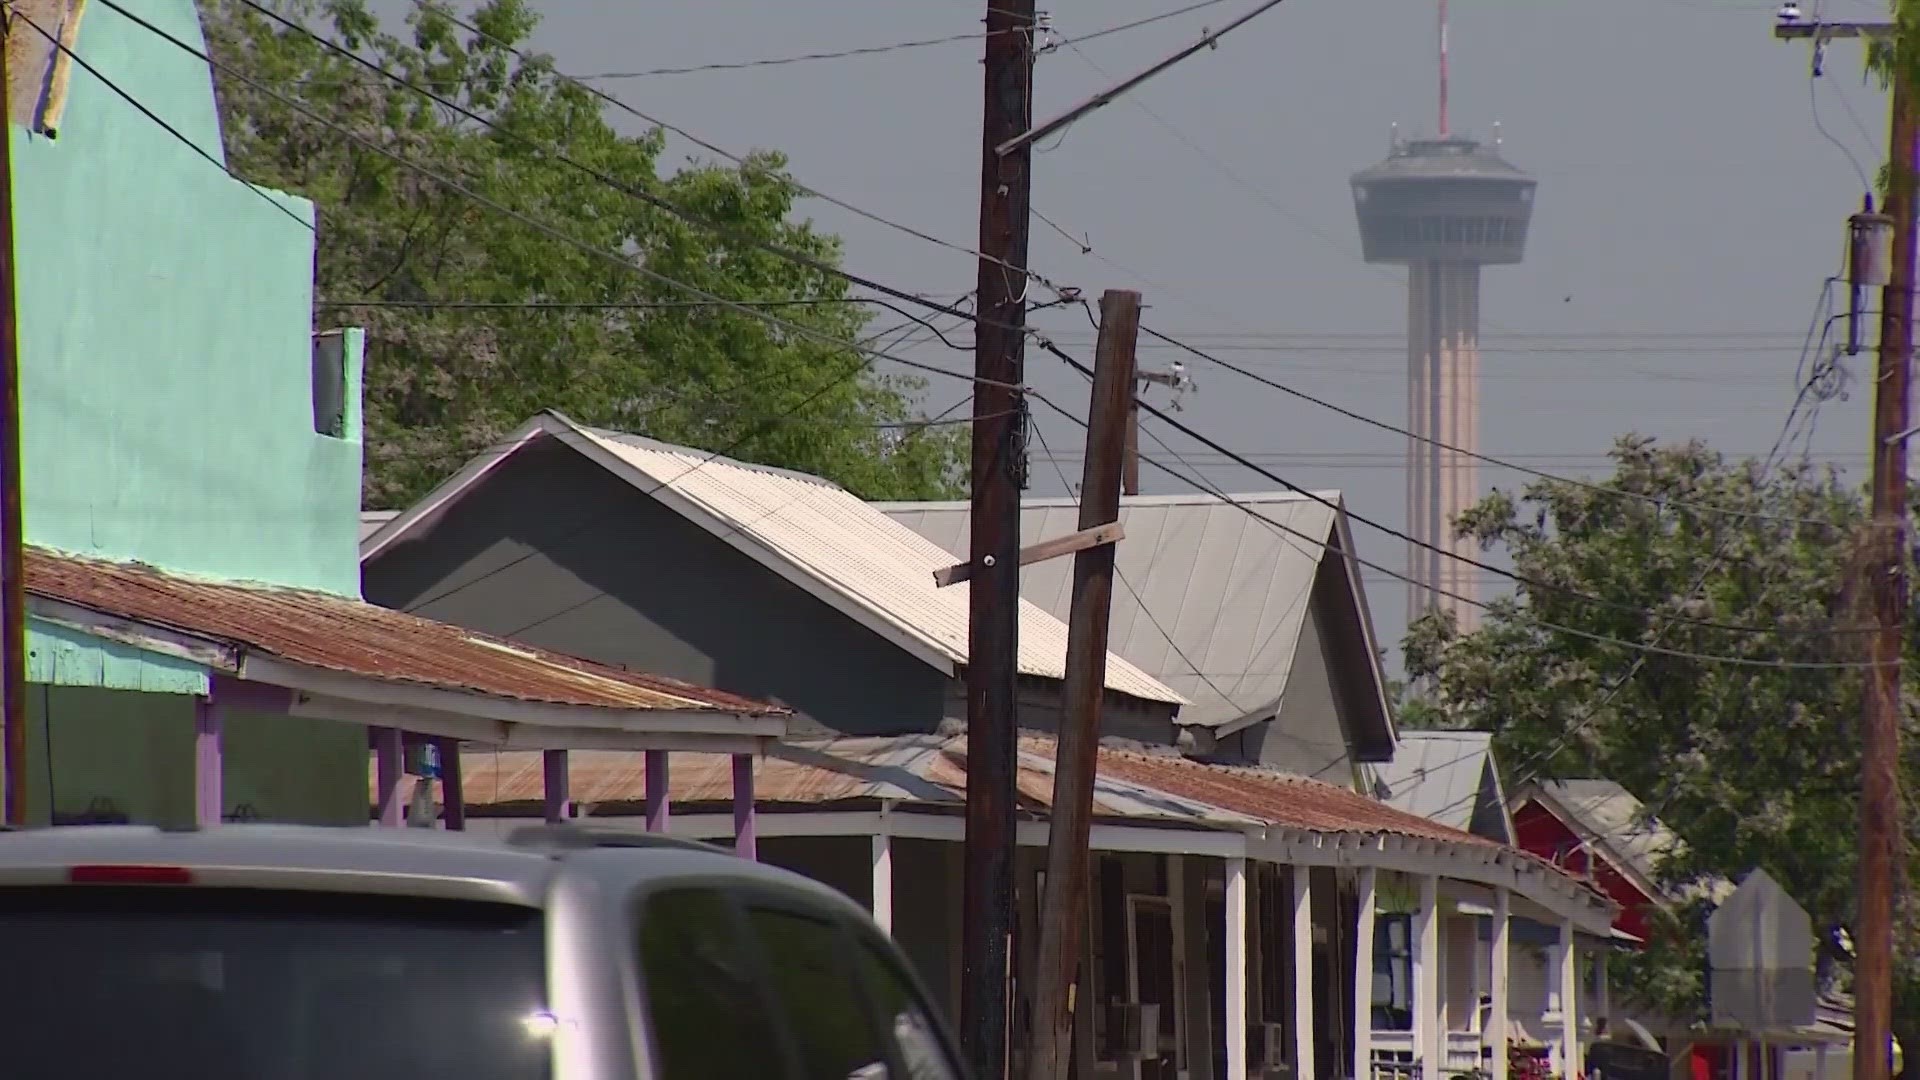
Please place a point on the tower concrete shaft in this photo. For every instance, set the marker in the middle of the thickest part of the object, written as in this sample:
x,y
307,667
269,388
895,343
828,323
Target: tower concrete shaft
x,y
1443,421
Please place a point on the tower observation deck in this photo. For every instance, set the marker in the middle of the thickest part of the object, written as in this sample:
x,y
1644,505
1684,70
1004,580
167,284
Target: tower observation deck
x,y
1443,207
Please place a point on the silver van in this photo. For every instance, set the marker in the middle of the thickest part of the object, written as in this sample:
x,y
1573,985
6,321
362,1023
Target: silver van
x,y
260,952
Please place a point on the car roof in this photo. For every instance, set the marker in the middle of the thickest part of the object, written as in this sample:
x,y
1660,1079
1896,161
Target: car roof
x,y
517,869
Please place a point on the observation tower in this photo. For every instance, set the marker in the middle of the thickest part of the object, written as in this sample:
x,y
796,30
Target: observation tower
x,y
1443,207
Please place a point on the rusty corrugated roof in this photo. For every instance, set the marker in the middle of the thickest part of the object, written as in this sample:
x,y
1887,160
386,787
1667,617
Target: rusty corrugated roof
x,y
352,637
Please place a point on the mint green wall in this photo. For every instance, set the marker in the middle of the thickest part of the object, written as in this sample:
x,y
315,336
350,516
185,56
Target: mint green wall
x,y
165,335
136,749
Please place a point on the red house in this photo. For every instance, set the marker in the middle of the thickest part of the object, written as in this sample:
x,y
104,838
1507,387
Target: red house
x,y
1595,828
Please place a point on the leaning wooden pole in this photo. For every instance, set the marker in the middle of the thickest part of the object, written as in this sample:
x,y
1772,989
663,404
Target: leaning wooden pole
x,y
1063,908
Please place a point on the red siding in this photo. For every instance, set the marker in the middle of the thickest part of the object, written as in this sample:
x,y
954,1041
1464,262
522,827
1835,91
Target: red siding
x,y
1539,832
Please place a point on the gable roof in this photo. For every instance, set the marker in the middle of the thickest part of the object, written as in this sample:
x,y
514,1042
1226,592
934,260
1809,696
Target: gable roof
x,y
1443,776
1612,819
372,521
812,532
1205,585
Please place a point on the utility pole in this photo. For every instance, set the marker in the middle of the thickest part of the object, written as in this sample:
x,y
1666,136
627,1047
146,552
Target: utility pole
x,y
1179,381
1883,570
1063,909
998,473
13,578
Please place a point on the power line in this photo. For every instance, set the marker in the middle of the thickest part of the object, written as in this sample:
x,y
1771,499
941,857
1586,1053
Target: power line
x,y
1643,648
1531,583
535,224
877,50
54,40
1397,430
808,191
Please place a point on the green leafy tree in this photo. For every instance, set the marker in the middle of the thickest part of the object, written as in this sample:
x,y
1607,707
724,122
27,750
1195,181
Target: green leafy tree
x,y
609,347
1751,765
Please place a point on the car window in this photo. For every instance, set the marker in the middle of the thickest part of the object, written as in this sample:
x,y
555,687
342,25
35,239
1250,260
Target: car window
x,y
922,1052
705,1011
815,989
236,984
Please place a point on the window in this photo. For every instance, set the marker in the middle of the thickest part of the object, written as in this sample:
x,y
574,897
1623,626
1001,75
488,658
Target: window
x,y
916,1035
1393,972
706,1015
229,984
813,987
330,385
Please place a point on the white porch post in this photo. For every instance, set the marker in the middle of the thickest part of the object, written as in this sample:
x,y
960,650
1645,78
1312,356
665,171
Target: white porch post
x,y
1363,977
1236,993
1569,1003
1429,1036
883,882
1501,969
1303,1025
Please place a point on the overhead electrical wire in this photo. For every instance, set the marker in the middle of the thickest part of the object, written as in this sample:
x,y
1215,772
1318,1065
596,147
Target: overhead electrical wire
x,y
877,50
1522,579
804,189
550,230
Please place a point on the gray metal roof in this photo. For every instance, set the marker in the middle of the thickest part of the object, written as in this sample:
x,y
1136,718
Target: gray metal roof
x,y
1613,815
1202,585
1448,777
372,521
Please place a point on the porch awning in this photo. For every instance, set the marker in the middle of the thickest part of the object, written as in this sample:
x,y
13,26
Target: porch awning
x,y
333,657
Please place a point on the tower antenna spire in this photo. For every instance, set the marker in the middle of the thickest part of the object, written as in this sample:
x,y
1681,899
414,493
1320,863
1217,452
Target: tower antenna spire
x,y
1443,68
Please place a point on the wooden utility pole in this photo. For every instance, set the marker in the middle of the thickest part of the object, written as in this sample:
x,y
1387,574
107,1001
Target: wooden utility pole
x,y
998,475
1883,566
13,578
1063,908
1175,378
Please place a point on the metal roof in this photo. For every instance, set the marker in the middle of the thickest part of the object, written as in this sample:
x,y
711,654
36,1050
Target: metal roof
x,y
1203,586
372,521
349,636
1446,776
814,533
1613,815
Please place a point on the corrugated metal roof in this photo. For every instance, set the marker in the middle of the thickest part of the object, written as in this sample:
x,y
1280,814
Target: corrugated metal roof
x,y
1439,775
349,636
1613,814
1205,586
847,548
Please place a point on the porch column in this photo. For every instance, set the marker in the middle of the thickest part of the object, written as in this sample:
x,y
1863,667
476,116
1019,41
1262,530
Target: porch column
x,y
208,764
1569,1003
743,844
1502,967
1236,974
453,790
657,791
1363,976
883,882
1304,1028
554,766
1429,1037
390,769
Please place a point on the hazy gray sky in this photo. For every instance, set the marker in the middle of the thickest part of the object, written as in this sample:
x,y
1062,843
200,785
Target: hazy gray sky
x,y
1689,209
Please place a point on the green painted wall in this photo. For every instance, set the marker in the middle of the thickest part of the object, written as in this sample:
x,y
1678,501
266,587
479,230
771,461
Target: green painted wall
x,y
166,362
134,751
165,335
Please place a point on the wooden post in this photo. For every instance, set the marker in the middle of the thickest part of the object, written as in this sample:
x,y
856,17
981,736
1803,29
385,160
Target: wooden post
x,y
453,789
1429,1034
1304,1028
657,801
1063,910
208,764
1569,1003
1236,974
744,843
883,882
390,761
1502,967
997,470
1363,975
13,587
554,784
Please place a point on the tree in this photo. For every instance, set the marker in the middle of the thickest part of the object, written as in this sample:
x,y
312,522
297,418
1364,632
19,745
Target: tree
x,y
570,330
1751,765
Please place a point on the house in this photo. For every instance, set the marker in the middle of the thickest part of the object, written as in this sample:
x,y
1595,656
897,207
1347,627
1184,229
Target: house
x,y
197,647
1258,619
1449,777
1229,892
